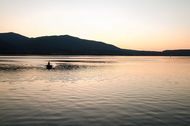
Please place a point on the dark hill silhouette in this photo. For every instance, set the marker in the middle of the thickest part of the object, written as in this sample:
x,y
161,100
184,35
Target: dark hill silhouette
x,y
12,43
180,52
12,36
72,45
16,44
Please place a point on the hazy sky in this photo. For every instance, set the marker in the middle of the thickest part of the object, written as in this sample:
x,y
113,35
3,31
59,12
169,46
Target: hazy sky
x,y
132,24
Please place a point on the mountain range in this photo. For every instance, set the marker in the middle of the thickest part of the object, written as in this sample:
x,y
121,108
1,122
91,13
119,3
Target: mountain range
x,y
16,44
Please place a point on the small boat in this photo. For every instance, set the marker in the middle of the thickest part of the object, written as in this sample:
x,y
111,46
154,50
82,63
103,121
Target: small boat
x,y
49,66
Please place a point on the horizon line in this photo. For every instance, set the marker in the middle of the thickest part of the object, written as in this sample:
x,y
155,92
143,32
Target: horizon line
x,y
90,40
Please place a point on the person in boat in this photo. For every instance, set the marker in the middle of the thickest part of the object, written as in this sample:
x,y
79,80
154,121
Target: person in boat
x,y
49,66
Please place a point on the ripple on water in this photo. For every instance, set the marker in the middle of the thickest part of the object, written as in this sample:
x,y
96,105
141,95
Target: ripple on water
x,y
114,91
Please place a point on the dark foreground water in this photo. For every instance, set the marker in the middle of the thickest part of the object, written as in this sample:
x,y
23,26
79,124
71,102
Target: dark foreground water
x,y
94,91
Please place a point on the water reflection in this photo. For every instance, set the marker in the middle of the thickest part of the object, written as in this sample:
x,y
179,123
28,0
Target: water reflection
x,y
65,66
84,61
83,91
9,61
10,65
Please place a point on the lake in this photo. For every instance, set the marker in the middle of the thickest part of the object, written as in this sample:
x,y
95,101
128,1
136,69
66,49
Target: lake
x,y
94,91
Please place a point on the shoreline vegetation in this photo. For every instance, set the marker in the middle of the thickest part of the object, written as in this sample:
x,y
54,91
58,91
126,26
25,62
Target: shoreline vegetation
x,y
15,44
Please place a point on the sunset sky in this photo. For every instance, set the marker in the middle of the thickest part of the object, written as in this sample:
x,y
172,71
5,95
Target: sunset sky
x,y
131,24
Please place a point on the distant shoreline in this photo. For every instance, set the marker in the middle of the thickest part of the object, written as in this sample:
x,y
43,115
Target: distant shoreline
x,y
16,44
89,55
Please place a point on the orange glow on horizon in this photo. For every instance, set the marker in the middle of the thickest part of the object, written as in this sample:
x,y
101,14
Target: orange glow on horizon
x,y
153,25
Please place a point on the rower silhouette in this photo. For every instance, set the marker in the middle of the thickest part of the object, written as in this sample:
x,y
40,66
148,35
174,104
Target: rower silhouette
x,y
49,66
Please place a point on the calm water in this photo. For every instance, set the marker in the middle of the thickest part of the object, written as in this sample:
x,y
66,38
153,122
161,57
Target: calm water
x,y
94,91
